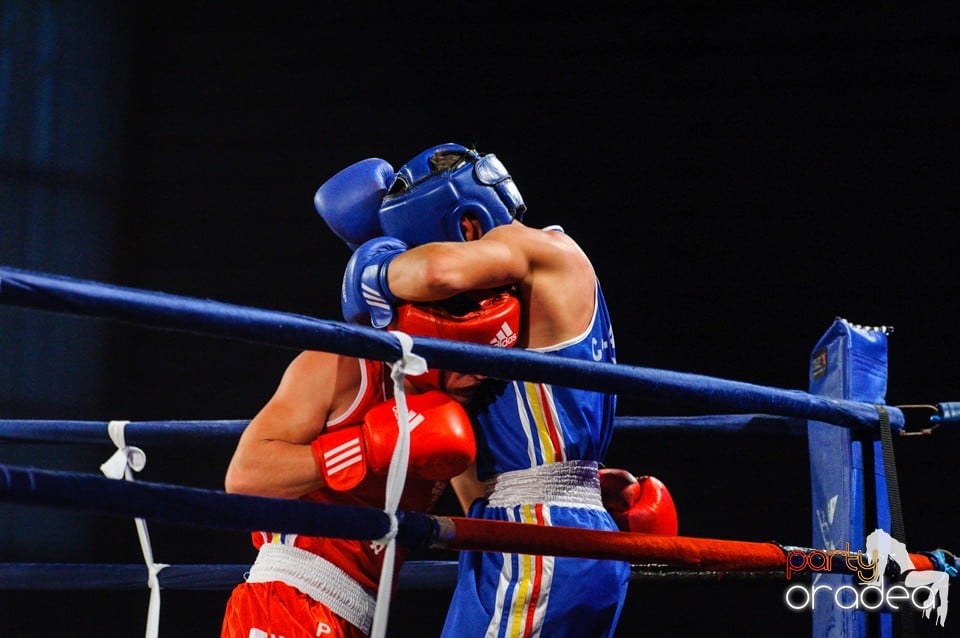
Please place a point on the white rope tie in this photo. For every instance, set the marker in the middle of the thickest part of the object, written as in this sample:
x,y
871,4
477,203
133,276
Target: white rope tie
x,y
411,364
121,466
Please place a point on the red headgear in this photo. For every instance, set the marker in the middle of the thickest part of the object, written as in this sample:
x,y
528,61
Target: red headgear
x,y
485,317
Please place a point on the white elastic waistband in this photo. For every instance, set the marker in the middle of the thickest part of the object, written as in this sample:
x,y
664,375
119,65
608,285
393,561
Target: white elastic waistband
x,y
567,484
318,578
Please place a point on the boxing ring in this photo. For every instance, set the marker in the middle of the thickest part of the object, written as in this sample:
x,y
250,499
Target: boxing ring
x,y
848,428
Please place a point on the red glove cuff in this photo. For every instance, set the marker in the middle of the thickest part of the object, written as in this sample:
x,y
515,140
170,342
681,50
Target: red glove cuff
x,y
339,454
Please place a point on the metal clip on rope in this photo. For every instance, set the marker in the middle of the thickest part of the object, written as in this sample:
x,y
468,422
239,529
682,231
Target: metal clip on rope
x,y
940,414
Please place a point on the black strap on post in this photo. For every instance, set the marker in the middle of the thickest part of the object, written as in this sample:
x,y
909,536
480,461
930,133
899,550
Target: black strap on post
x,y
904,625
890,471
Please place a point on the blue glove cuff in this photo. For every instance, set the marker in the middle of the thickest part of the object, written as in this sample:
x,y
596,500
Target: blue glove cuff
x,y
376,291
365,294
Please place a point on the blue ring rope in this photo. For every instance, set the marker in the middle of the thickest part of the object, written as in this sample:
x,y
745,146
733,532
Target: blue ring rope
x,y
200,507
161,310
420,574
228,431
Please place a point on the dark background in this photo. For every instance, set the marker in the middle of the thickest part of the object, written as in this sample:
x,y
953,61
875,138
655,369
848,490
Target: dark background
x,y
740,176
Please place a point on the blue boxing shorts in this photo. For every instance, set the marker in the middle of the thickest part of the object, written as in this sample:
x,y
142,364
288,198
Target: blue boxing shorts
x,y
501,595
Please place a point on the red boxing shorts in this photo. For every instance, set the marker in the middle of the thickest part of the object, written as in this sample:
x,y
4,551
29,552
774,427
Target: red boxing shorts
x,y
273,609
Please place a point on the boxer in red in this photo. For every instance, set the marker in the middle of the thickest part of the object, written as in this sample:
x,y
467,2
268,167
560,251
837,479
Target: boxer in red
x,y
327,435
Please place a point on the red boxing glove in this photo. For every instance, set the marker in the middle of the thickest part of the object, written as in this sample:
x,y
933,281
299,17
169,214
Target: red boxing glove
x,y
638,504
441,442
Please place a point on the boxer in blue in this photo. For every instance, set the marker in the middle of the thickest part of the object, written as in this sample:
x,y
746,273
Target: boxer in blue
x,y
450,221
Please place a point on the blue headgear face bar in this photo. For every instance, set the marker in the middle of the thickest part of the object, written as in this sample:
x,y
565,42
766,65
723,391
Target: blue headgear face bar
x,y
425,204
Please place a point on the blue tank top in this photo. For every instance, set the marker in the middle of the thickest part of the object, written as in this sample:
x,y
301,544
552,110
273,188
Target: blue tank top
x,y
520,425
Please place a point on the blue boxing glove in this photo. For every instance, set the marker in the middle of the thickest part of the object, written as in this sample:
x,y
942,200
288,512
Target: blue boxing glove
x,y
350,200
365,293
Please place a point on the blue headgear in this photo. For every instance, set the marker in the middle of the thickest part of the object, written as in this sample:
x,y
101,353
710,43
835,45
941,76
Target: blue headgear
x,y
426,204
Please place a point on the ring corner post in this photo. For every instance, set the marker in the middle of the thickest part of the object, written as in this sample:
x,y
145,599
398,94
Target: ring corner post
x,y
848,488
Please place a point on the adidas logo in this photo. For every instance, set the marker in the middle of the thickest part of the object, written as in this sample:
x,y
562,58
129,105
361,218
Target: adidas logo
x,y
505,337
373,297
343,456
413,418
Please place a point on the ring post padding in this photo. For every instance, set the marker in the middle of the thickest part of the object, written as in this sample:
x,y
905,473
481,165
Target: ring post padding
x,y
849,362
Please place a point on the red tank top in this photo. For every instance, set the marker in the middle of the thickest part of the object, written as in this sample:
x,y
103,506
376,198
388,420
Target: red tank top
x,y
362,560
